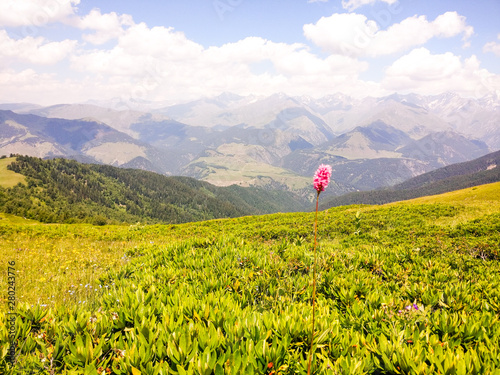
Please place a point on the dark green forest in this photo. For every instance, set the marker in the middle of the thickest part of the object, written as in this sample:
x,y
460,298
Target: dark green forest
x,y
66,191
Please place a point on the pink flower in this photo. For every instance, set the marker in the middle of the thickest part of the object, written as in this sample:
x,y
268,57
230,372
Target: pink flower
x,y
322,177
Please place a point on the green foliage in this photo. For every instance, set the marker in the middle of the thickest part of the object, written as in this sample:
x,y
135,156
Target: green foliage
x,y
402,289
65,191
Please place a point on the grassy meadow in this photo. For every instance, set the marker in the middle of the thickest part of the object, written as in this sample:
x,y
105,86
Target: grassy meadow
x,y
9,178
405,288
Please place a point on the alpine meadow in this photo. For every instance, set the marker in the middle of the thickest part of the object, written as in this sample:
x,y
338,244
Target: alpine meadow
x,y
249,187
404,288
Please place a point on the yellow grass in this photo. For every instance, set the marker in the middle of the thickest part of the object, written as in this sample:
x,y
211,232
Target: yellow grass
x,y
9,178
482,199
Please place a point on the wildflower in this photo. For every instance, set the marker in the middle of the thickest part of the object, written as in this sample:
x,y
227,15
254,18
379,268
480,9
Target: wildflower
x,y
322,177
320,182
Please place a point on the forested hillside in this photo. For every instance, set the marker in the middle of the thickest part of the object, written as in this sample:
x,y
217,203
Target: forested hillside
x,y
66,191
483,170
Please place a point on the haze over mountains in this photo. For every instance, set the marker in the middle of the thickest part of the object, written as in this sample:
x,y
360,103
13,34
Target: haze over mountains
x,y
276,141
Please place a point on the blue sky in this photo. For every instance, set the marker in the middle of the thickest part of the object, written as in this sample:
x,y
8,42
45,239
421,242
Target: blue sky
x,y
65,51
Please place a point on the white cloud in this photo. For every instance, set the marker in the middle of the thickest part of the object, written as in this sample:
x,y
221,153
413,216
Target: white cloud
x,y
354,4
47,89
492,47
33,50
35,12
26,86
138,51
158,42
354,35
425,73
346,34
159,62
106,26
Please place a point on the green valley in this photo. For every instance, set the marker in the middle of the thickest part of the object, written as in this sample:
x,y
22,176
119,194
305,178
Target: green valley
x,y
404,288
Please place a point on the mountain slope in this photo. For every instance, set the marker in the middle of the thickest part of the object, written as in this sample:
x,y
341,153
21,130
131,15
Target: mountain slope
x,y
375,140
483,170
85,140
61,190
119,120
444,148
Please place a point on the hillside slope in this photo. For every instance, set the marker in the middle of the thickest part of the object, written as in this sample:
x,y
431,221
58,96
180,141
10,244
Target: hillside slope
x,y
62,190
483,170
405,288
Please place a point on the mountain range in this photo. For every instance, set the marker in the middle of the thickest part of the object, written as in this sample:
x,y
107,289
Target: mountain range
x,y
275,142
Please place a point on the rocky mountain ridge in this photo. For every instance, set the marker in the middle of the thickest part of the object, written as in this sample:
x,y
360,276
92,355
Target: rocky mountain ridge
x,y
272,141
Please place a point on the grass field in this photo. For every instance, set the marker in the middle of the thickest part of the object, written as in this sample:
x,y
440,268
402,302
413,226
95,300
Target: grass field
x,y
405,288
9,178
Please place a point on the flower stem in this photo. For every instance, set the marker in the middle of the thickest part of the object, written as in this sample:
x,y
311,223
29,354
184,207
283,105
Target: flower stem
x,y
314,286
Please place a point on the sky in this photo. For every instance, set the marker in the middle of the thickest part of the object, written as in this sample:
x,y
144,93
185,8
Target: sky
x,y
73,51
